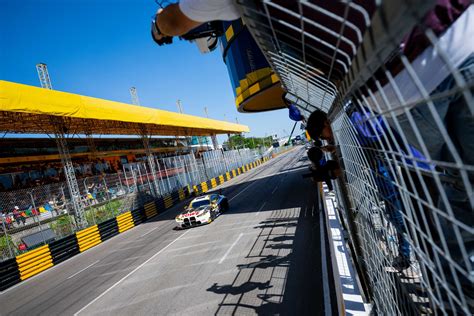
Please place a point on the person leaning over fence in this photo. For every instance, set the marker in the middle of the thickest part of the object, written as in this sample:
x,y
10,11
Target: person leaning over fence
x,y
318,126
322,170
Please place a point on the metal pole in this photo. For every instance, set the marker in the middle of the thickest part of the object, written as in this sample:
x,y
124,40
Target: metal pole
x,y
68,215
141,177
289,138
126,179
120,180
148,179
161,176
107,194
180,106
178,170
151,162
167,176
6,236
37,217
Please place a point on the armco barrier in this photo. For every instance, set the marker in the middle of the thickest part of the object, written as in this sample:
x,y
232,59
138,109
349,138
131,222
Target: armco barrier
x,y
24,266
150,210
204,187
168,201
125,222
138,216
160,205
9,273
64,248
108,229
33,262
88,238
181,194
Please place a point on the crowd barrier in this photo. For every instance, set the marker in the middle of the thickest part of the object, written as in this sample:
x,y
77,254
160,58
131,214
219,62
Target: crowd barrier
x,y
389,85
15,270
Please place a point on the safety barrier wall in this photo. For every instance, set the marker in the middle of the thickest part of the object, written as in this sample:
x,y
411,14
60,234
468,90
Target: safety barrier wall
x,y
15,270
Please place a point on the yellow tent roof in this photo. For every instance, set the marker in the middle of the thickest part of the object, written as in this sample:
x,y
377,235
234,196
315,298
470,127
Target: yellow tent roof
x,y
28,109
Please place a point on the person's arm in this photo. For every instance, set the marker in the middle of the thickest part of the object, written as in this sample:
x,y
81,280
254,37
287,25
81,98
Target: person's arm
x,y
172,22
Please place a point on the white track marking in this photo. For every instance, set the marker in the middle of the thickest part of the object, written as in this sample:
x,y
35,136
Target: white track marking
x,y
149,231
228,250
261,207
129,274
275,189
324,268
83,269
242,191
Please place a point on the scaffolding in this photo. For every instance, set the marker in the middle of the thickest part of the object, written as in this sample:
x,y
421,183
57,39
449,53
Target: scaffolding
x,y
63,150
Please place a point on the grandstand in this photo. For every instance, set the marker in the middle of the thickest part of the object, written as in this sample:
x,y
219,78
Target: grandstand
x,y
27,161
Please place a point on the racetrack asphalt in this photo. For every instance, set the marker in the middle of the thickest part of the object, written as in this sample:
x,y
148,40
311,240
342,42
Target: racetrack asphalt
x,y
261,257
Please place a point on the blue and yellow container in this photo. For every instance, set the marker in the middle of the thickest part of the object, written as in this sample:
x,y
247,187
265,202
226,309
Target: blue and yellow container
x,y
256,87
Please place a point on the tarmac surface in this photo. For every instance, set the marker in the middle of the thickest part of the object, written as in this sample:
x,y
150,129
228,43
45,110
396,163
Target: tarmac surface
x,y
261,257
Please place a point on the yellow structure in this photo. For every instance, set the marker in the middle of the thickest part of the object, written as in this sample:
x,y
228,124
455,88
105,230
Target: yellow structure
x,y
28,109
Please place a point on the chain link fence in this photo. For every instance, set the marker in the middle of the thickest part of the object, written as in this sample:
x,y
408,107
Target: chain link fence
x,y
394,80
35,216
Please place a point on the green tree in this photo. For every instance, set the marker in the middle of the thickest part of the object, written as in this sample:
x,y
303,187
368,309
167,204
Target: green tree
x,y
239,141
5,243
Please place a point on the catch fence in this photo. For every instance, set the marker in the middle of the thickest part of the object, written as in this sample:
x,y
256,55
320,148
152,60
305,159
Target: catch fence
x,y
396,81
32,217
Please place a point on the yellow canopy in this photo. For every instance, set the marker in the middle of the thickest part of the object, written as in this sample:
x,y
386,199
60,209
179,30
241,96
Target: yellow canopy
x,y
28,109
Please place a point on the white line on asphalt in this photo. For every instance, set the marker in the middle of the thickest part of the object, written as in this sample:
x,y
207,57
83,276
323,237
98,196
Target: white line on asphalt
x,y
242,191
228,250
275,189
261,207
129,274
324,268
83,269
149,231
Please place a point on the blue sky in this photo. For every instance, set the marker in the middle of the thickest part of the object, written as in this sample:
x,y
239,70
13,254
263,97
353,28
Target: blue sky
x,y
102,48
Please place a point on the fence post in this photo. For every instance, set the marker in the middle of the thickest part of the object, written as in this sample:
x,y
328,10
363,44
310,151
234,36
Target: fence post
x,y
6,236
37,217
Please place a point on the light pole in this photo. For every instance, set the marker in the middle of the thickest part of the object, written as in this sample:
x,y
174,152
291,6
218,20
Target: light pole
x,y
180,106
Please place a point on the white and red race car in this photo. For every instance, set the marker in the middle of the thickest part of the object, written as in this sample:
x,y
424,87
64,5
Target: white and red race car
x,y
202,210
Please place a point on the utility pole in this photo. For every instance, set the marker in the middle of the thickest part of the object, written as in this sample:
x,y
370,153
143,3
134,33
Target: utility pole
x,y
205,111
63,149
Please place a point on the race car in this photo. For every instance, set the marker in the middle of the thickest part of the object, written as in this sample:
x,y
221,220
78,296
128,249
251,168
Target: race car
x,y
202,210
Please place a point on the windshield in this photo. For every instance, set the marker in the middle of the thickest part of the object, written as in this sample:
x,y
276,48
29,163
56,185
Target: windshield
x,y
199,203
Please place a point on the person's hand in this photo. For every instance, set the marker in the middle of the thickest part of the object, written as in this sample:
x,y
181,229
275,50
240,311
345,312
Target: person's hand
x,y
328,148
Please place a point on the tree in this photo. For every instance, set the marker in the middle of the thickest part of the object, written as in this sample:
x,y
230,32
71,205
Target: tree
x,y
239,141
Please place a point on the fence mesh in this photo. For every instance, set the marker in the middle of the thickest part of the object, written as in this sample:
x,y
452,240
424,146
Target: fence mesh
x,y
395,79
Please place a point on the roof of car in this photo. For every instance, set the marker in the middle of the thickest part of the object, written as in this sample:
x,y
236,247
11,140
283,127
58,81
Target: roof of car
x,y
203,197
